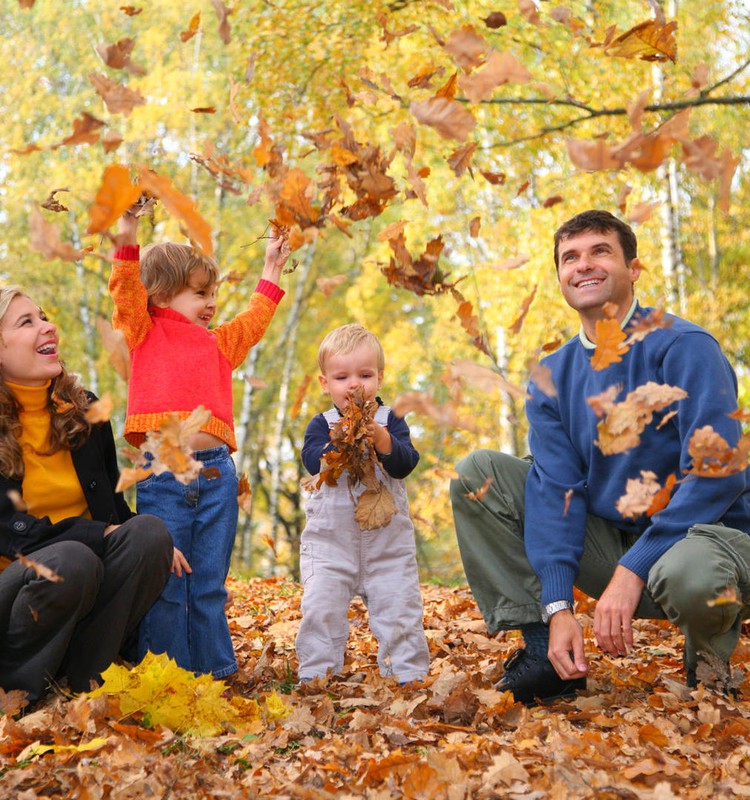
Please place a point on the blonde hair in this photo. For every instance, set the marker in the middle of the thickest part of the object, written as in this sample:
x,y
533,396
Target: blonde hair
x,y
346,338
67,402
166,269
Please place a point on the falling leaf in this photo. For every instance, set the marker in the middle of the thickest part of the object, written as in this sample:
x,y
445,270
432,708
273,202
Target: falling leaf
x,y
482,490
180,206
115,196
328,285
17,500
114,343
552,201
713,457
500,68
495,20
467,47
168,445
474,226
118,98
222,13
100,410
204,110
52,203
511,263
483,378
610,344
623,422
517,324
192,28
640,326
41,570
448,117
129,476
244,493
648,41
45,238
460,159
117,56
728,597
85,130
529,10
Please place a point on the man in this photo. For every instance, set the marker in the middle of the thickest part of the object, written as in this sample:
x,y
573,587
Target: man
x,y
551,521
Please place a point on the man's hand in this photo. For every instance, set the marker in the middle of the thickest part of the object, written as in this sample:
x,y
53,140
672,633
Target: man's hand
x,y
613,618
566,646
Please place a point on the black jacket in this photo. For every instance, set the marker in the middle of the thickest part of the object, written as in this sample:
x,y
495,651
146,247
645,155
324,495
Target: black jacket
x,y
95,463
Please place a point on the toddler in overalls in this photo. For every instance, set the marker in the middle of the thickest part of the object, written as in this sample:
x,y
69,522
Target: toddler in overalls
x,y
338,559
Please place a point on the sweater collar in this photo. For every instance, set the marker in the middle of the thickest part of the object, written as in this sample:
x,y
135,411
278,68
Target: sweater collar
x,y
31,398
589,345
169,313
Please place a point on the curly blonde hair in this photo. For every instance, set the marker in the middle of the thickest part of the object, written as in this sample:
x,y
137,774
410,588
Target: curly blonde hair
x,y
67,402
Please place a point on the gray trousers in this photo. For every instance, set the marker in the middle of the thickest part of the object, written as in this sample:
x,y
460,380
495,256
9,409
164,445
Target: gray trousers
x,y
76,627
680,585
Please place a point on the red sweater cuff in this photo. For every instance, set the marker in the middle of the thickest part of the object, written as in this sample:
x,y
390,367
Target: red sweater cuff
x,y
270,290
128,252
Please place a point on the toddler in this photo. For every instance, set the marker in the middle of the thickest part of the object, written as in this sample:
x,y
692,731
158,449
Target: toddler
x,y
338,559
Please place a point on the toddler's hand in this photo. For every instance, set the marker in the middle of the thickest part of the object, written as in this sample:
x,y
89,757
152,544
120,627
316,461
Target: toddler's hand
x,y
381,439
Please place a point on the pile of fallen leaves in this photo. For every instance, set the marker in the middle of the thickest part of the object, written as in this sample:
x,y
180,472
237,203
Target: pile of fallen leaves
x,y
637,732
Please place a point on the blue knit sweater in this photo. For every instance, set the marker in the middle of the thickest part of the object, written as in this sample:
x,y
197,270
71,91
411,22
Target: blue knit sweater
x,y
563,432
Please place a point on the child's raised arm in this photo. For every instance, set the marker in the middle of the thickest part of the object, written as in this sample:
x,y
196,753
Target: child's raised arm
x,y
277,252
127,228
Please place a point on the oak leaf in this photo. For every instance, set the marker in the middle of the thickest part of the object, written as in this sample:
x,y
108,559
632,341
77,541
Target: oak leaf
x,y
375,508
448,117
169,447
713,457
610,344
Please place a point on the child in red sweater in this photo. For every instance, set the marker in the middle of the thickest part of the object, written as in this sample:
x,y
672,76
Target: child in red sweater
x,y
164,303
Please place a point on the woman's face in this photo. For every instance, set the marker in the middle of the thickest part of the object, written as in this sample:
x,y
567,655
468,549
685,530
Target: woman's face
x,y
28,345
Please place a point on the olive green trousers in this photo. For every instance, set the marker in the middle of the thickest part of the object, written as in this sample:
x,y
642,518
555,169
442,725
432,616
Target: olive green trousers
x,y
681,586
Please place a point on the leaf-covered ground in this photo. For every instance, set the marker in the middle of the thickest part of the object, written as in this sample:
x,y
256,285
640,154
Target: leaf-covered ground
x,y
638,732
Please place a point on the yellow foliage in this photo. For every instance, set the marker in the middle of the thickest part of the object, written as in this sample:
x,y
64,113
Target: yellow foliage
x,y
161,693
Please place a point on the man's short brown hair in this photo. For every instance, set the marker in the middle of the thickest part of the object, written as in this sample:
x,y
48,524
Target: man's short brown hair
x,y
599,222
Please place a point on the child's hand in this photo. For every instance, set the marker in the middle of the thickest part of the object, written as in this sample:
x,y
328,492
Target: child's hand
x,y
381,439
127,228
277,252
179,563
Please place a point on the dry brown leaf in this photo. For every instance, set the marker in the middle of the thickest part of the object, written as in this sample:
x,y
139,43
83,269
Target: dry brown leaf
x,y
45,238
192,29
447,116
499,69
328,285
467,47
375,508
648,41
479,493
100,410
517,323
610,344
42,570
118,99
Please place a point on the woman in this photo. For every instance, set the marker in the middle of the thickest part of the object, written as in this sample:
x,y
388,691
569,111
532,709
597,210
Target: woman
x,y
58,507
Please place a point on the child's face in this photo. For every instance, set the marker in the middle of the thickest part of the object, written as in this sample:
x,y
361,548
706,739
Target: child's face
x,y
345,371
196,301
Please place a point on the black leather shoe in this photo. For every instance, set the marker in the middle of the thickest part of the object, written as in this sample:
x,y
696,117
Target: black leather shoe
x,y
533,680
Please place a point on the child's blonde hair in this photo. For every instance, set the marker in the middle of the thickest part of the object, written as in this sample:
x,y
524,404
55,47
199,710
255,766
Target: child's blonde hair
x,y
166,269
347,338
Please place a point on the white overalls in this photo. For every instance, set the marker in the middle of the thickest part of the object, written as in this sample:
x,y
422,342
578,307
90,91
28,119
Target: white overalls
x,y
338,560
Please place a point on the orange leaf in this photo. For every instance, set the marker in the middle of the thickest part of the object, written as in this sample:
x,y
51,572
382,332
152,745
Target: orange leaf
x,y
113,198
649,41
180,206
195,22
610,345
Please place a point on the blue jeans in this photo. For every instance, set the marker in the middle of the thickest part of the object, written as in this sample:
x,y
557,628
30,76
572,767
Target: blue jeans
x,y
188,621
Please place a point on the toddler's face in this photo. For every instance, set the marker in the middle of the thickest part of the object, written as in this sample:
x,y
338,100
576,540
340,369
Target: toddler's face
x,y
196,301
345,371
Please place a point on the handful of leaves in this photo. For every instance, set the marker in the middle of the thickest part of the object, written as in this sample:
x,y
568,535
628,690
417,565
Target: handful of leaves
x,y
355,453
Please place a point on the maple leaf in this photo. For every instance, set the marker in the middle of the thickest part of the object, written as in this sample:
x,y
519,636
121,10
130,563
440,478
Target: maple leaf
x,y
158,692
12,702
610,344
623,422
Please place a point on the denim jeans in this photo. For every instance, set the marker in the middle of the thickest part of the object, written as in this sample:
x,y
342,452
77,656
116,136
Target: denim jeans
x,y
188,621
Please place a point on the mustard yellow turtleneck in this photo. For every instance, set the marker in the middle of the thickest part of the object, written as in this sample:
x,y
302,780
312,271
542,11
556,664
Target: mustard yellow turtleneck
x,y
50,483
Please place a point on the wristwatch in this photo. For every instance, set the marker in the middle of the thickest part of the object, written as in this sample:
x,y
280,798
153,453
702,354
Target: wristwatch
x,y
553,608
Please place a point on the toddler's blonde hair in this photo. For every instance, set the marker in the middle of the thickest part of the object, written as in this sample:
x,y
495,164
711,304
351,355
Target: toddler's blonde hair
x,y
346,338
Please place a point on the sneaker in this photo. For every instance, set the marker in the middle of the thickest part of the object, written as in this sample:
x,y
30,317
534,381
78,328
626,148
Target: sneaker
x,y
533,680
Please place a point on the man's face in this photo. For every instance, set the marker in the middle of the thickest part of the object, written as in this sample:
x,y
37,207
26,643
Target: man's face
x,y
592,271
